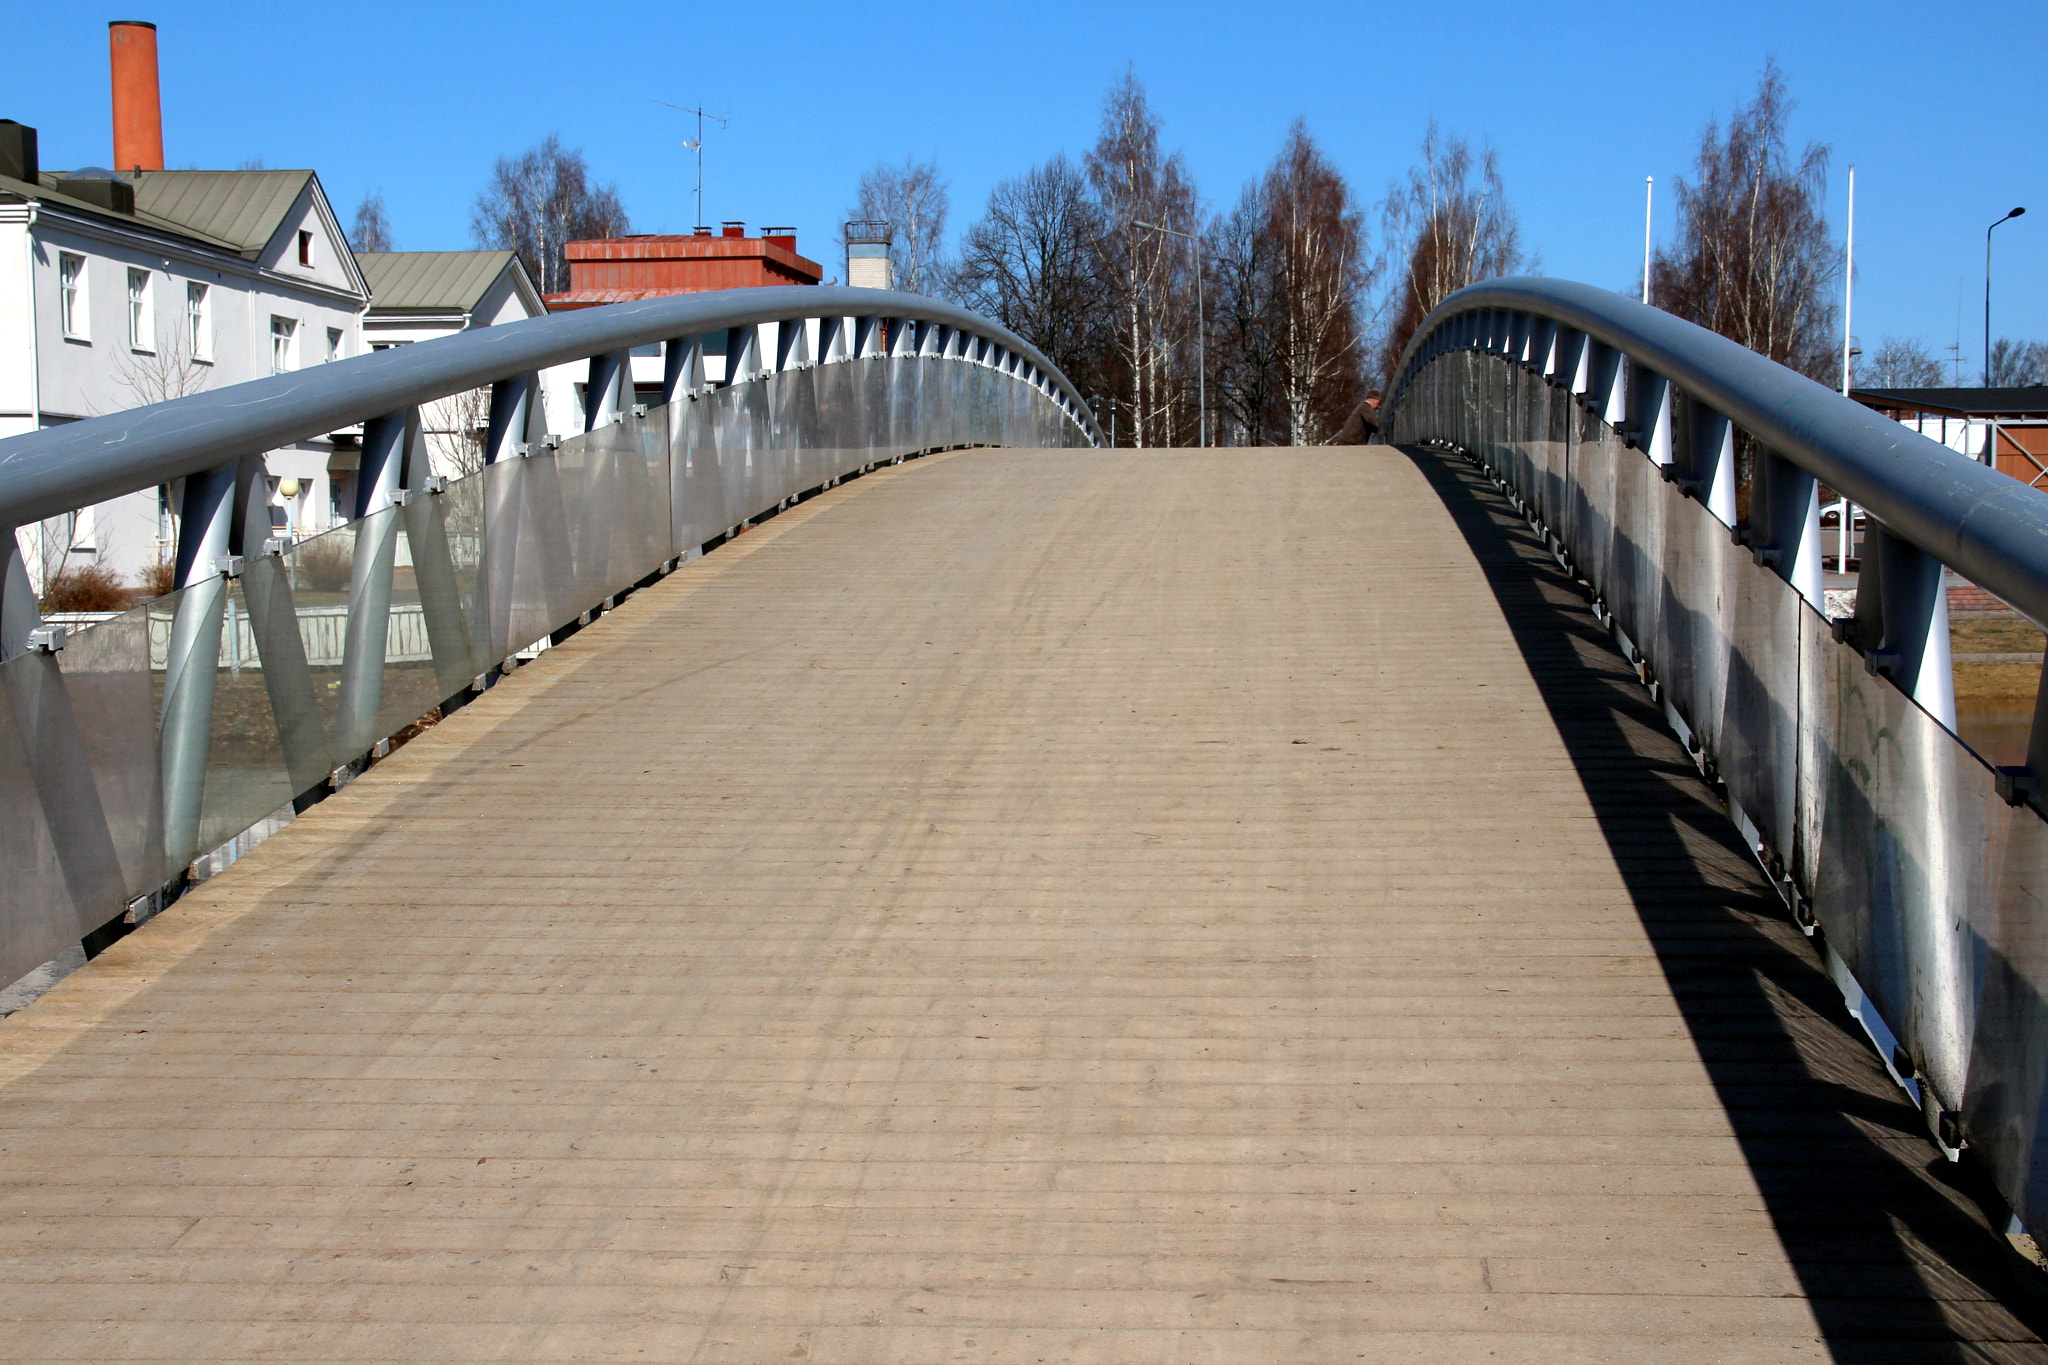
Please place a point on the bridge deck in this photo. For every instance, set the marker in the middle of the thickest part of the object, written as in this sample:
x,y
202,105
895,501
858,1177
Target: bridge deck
x,y
1074,906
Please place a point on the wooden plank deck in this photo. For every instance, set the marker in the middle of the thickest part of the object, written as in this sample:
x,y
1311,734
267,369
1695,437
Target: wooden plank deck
x,y
1023,906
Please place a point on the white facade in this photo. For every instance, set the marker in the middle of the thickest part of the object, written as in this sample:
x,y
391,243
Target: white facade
x,y
101,312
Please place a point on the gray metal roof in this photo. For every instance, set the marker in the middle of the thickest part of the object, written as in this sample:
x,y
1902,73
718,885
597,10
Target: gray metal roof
x,y
430,281
2012,401
240,208
51,191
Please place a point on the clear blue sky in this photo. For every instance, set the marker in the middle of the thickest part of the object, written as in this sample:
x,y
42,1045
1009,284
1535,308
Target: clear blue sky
x,y
1937,107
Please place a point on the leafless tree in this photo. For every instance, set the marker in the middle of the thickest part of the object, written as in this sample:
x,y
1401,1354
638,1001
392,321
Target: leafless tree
x,y
1753,260
913,201
1450,224
1243,365
1320,273
539,202
1899,363
2016,363
1028,263
170,371
455,428
372,230
1148,273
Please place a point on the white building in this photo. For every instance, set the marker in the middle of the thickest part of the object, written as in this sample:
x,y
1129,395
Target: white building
x,y
420,295
121,290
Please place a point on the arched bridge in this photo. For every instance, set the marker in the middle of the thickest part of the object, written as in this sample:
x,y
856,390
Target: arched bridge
x,y
1017,900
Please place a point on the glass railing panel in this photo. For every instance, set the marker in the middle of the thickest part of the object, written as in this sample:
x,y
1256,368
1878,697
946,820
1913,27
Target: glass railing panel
x,y
38,917
246,775
317,572
111,693
411,684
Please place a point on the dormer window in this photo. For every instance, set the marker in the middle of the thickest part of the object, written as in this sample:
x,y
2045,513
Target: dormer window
x,y
305,248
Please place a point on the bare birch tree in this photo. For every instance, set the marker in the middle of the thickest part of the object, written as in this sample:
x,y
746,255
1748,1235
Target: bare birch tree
x,y
1243,367
539,202
1753,260
371,230
1451,225
1899,363
1148,273
2017,363
1028,262
913,200
1317,251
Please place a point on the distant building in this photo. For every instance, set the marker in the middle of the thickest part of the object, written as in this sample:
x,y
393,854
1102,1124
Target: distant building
x,y
868,263
621,269
421,295
2006,428
123,288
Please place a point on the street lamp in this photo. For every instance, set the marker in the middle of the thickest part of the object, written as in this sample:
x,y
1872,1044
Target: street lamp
x,y
1201,326
1987,293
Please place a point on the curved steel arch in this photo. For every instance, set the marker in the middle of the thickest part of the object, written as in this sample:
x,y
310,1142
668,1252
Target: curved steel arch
x,y
60,469
1612,426
1984,525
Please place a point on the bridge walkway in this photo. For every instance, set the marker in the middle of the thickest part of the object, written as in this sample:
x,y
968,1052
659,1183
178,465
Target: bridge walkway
x,y
1075,906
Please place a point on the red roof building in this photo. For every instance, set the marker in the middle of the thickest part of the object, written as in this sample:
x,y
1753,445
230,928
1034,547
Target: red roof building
x,y
620,269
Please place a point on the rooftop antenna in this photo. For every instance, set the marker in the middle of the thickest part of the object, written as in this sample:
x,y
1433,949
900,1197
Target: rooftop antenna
x,y
698,146
1957,348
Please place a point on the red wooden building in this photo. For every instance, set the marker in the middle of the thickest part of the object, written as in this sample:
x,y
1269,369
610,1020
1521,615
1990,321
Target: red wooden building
x,y
620,269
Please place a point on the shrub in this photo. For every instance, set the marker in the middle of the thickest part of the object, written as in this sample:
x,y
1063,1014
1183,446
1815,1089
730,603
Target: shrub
x,y
87,587
324,563
158,580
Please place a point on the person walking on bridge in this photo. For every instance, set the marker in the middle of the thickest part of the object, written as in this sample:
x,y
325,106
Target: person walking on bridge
x,y
1363,425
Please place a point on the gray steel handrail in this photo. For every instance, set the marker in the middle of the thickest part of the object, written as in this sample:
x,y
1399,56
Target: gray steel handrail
x,y
1985,525
60,469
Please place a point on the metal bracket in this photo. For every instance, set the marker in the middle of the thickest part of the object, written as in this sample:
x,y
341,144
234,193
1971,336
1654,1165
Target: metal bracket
x,y
403,497
639,409
2017,786
436,483
275,548
229,566
48,639
1766,556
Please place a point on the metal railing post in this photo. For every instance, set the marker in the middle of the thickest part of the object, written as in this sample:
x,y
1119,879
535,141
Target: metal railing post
x,y
369,588
192,659
608,392
1713,462
274,625
682,368
515,416
19,614
1904,630
1784,517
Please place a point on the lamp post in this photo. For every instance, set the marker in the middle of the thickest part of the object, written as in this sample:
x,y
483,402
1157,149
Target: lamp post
x,y
1987,293
1201,326
1649,189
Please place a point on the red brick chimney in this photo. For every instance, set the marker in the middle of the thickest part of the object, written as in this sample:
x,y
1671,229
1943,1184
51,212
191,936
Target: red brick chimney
x,y
138,108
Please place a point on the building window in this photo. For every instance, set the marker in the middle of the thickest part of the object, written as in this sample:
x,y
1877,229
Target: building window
x,y
141,319
333,344
305,248
198,321
284,334
71,290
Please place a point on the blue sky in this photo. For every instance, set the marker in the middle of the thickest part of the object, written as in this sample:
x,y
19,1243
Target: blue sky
x,y
1936,105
